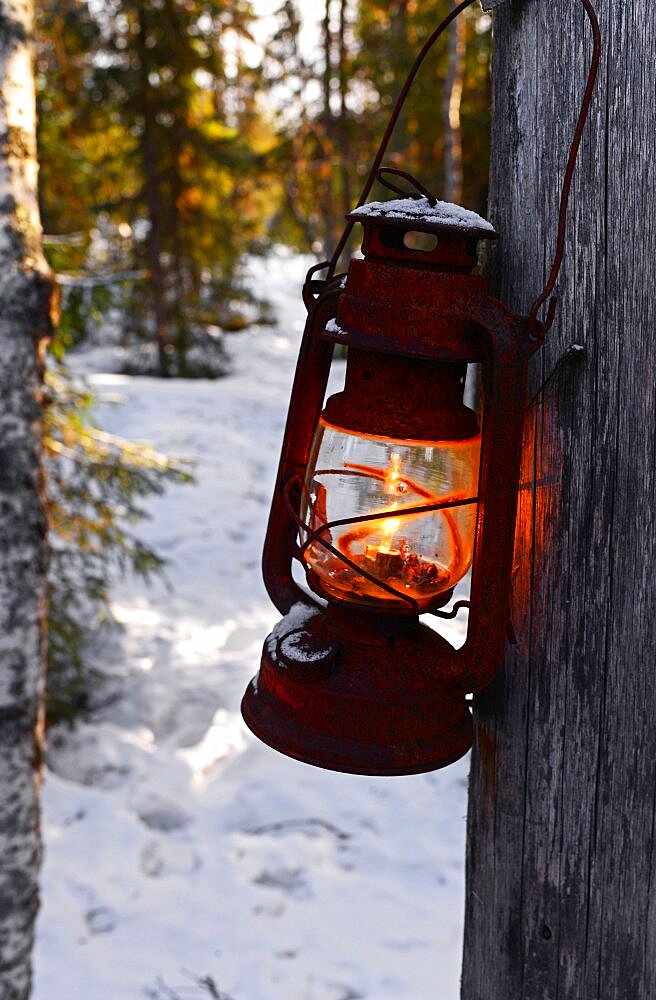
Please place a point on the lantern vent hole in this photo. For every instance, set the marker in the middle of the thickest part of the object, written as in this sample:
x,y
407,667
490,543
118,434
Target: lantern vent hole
x,y
395,238
424,242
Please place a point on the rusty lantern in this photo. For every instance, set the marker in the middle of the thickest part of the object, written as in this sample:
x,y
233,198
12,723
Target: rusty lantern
x,y
394,490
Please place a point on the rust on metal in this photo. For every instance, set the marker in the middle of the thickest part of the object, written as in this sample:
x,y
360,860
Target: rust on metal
x,y
367,689
388,695
374,712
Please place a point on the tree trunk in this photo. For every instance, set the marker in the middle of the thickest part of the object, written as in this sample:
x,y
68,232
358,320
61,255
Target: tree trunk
x,y
561,862
25,296
400,30
327,43
178,305
344,128
150,161
328,208
451,101
157,282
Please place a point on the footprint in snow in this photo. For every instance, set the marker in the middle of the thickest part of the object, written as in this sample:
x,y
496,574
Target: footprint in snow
x,y
290,880
101,756
100,920
159,814
159,858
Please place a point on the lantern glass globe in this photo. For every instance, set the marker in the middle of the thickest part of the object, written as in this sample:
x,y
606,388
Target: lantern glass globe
x,y
420,555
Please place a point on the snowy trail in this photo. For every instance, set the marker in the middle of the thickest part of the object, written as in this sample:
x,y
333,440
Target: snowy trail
x,y
178,848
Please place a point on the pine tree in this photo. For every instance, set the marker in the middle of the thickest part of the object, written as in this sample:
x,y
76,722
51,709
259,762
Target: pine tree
x,y
96,484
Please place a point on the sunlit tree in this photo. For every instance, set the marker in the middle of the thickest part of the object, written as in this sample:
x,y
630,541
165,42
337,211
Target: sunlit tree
x,y
25,320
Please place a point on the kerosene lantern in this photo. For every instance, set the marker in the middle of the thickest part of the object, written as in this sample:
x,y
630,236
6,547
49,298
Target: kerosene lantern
x,y
387,495
391,492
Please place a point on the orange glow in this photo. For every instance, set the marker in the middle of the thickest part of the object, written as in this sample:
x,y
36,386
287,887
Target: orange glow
x,y
360,541
419,555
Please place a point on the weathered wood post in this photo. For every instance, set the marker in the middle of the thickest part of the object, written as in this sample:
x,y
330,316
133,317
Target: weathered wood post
x,y
561,864
25,295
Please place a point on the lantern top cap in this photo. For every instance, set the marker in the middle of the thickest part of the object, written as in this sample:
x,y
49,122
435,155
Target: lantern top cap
x,y
420,213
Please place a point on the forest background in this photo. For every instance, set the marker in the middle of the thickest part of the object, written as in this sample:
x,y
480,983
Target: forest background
x,y
177,138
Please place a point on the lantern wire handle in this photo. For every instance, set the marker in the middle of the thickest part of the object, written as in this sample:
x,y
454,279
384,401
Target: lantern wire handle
x,y
536,330
567,184
394,117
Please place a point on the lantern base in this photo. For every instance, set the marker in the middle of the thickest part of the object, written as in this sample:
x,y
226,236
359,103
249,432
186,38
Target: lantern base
x,y
359,693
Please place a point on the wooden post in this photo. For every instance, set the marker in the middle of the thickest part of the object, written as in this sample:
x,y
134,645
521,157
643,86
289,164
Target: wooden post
x,y
25,296
561,860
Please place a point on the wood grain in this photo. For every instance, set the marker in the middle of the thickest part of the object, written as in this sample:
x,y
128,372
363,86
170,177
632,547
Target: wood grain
x,y
561,886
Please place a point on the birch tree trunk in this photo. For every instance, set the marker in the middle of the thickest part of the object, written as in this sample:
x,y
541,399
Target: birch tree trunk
x,y
25,296
561,866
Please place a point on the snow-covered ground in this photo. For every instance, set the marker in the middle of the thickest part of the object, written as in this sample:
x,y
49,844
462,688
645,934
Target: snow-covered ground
x,y
184,859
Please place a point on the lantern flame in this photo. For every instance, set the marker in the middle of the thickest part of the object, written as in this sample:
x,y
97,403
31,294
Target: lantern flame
x,y
390,525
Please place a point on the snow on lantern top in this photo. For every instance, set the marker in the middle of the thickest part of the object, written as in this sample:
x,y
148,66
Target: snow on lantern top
x,y
421,213
420,231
